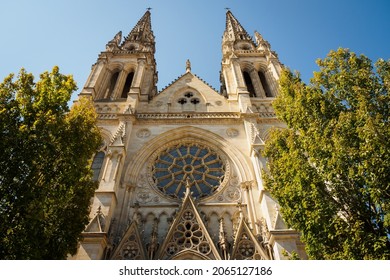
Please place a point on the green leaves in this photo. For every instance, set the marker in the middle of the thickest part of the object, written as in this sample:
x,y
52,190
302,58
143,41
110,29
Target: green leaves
x,y
45,176
329,169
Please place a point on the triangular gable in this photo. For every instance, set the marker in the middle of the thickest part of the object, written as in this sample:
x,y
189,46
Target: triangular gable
x,y
188,237
246,246
184,79
97,223
130,247
188,93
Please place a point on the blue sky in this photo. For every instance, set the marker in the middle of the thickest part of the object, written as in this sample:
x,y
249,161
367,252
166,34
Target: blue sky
x,y
39,34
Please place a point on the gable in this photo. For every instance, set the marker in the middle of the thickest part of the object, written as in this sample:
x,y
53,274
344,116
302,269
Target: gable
x,y
130,247
188,237
188,94
246,246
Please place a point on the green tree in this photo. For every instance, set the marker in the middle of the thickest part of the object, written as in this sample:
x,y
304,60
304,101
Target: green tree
x,y
330,169
45,158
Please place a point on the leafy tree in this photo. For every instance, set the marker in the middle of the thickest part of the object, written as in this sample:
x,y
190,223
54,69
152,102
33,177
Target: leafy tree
x,y
45,175
330,169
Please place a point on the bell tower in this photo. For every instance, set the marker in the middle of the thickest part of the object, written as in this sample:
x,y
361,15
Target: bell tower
x,y
250,69
249,79
126,70
123,78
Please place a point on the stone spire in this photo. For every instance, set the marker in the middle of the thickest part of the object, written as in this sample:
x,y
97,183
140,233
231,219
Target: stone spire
x,y
141,37
234,30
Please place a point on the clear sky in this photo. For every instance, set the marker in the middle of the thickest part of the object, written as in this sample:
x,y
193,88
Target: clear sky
x,y
39,34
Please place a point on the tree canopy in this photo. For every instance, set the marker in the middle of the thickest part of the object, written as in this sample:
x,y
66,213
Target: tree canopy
x,y
330,168
45,157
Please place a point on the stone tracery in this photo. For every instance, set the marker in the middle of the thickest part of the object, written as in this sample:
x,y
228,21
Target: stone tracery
x,y
198,164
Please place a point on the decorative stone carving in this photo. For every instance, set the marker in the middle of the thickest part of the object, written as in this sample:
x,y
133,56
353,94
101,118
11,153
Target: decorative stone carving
x,y
174,163
232,132
143,196
143,133
232,194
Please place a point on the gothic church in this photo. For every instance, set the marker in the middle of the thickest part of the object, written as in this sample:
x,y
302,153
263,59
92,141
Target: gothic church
x,y
179,170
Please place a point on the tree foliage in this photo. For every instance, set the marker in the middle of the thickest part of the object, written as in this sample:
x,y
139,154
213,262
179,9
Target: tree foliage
x,y
45,176
330,169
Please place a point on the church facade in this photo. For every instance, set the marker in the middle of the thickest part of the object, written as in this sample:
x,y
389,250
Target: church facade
x,y
180,170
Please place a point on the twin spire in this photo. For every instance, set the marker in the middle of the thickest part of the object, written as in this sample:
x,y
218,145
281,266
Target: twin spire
x,y
141,38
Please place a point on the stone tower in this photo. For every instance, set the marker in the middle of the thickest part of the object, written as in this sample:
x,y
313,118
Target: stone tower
x,y
179,171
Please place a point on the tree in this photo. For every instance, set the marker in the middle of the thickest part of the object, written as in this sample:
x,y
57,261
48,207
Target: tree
x,y
330,168
45,158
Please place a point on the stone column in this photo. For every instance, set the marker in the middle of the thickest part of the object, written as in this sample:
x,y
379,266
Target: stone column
x,y
139,73
247,189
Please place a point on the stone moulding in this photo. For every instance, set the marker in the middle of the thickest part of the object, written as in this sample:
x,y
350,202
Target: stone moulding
x,y
187,115
265,115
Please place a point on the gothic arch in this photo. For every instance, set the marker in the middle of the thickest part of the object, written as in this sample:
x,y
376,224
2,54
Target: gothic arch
x,y
187,99
258,79
189,255
115,67
106,135
189,133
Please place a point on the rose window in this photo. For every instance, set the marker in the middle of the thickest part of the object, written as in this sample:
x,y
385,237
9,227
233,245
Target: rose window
x,y
130,251
188,235
193,164
246,248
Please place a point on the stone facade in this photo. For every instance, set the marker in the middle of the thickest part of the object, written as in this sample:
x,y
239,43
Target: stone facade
x,y
179,171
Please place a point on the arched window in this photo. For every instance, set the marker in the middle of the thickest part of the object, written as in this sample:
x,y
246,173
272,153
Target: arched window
x,y
97,164
249,84
264,83
127,86
113,80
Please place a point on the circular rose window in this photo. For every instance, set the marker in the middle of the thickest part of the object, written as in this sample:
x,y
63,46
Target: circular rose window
x,y
193,164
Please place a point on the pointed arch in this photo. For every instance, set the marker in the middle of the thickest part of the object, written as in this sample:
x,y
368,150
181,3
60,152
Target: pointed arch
x,y
162,227
190,255
188,234
97,165
126,87
112,83
239,162
187,99
265,84
249,84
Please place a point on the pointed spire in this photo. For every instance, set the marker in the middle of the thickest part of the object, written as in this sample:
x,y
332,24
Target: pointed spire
x,y
234,30
223,244
141,37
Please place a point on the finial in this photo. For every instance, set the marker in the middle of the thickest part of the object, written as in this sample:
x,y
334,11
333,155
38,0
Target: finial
x,y
239,206
148,9
188,66
227,9
188,187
